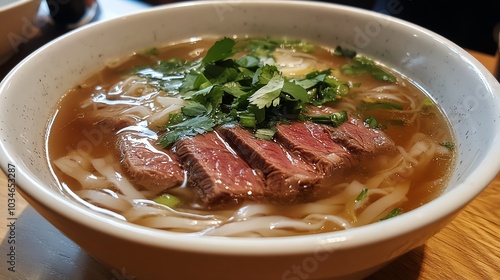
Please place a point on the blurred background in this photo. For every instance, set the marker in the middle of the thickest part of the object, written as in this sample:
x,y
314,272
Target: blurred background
x,y
473,25
470,24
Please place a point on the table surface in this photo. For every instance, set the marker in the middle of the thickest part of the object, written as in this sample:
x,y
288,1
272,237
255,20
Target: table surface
x,y
467,248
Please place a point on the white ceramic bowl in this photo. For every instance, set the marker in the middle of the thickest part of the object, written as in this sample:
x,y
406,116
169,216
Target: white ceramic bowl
x,y
17,25
463,87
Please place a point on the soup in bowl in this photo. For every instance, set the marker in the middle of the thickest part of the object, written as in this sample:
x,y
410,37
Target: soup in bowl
x,y
247,144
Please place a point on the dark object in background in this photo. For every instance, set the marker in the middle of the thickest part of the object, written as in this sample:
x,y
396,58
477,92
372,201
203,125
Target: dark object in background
x,y
470,24
65,12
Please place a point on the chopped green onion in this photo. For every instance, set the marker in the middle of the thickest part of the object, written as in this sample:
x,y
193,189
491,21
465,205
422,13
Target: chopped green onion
x,y
428,103
168,200
361,195
247,120
334,119
395,212
265,133
369,104
362,65
150,52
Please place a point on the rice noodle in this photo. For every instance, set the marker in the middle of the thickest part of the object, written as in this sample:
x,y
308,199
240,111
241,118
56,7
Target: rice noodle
x,y
386,186
258,224
75,165
140,111
105,200
291,63
104,167
166,101
159,119
178,223
257,219
377,208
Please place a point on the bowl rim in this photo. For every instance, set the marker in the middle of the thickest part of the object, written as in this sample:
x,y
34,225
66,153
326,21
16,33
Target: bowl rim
x,y
345,239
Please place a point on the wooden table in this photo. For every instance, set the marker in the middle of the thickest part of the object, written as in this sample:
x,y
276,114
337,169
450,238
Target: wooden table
x,y
468,248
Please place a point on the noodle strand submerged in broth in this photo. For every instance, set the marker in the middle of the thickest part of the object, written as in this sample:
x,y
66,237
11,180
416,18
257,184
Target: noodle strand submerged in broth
x,y
159,96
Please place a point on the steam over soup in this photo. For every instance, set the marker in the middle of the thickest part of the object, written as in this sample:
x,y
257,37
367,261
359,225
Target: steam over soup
x,y
249,137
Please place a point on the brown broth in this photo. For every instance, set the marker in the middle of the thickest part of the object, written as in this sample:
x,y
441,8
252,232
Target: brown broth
x,y
70,129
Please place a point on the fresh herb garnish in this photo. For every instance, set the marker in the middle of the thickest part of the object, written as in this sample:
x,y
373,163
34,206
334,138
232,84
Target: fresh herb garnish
x,y
322,87
339,51
149,52
370,104
362,195
221,89
193,109
428,103
269,94
168,200
361,65
221,50
395,212
371,122
334,119
264,47
448,144
189,127
265,133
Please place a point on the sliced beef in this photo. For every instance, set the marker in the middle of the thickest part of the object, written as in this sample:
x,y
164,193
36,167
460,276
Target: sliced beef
x,y
359,139
313,143
151,168
288,178
219,175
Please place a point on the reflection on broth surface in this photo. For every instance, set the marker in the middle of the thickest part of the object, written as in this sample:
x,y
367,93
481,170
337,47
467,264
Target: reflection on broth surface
x,y
250,137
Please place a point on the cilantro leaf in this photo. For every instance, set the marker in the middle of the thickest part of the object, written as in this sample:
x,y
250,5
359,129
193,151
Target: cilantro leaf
x,y
296,91
248,61
234,89
220,75
176,66
267,95
371,122
221,50
189,127
193,109
264,47
264,74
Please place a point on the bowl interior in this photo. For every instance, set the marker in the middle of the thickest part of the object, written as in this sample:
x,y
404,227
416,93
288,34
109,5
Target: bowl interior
x,y
464,89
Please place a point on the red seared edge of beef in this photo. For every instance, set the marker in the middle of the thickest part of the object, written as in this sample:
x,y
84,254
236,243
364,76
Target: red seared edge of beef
x,y
313,143
219,175
155,170
288,178
357,138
